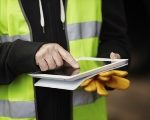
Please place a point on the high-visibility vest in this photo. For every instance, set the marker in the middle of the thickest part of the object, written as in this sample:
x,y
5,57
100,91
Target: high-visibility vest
x,y
84,19
83,25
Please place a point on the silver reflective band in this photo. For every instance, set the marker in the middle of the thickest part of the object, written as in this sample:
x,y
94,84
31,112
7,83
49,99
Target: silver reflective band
x,y
83,30
81,97
6,38
17,109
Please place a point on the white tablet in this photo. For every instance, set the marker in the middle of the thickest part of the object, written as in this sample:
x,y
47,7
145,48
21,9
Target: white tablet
x,y
88,67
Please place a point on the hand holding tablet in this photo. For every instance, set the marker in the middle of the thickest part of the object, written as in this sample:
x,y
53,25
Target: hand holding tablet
x,y
70,78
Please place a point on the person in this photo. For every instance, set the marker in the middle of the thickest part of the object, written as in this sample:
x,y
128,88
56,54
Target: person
x,y
34,36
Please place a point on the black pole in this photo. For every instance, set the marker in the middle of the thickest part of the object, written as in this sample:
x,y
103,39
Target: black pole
x,y
53,104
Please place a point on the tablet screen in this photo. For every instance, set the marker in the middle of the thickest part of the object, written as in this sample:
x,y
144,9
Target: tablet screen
x,y
85,65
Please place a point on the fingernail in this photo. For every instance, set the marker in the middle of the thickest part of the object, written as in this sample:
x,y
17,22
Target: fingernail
x,y
113,55
76,65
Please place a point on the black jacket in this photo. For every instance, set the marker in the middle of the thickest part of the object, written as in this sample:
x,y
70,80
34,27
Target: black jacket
x,y
18,57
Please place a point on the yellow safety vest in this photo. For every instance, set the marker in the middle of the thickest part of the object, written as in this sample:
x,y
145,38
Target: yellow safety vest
x,y
83,25
84,20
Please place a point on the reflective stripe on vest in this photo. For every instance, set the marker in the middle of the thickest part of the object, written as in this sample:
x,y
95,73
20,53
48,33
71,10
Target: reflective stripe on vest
x,y
13,38
74,32
83,26
24,109
17,99
82,97
83,30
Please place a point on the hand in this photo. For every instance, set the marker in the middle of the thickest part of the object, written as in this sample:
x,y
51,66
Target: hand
x,y
112,79
51,56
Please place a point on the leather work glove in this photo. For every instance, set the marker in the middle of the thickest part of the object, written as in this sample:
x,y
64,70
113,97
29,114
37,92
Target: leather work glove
x,y
114,79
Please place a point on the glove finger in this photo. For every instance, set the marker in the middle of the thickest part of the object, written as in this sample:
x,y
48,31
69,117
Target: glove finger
x,y
86,82
101,89
118,83
102,78
114,72
106,74
91,87
120,73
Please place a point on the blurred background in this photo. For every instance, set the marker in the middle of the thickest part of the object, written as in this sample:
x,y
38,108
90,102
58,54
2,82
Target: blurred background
x,y
134,103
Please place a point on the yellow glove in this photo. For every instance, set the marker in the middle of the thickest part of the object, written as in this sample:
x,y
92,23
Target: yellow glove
x,y
111,79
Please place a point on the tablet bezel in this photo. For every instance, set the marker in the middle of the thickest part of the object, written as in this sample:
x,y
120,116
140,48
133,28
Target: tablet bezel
x,y
115,63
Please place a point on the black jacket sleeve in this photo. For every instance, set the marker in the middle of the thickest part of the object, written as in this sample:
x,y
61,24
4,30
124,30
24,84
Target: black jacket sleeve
x,y
16,58
113,37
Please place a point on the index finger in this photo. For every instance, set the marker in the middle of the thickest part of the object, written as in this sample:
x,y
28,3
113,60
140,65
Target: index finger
x,y
68,57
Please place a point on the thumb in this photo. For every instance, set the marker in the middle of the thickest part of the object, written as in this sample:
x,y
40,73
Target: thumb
x,y
114,55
